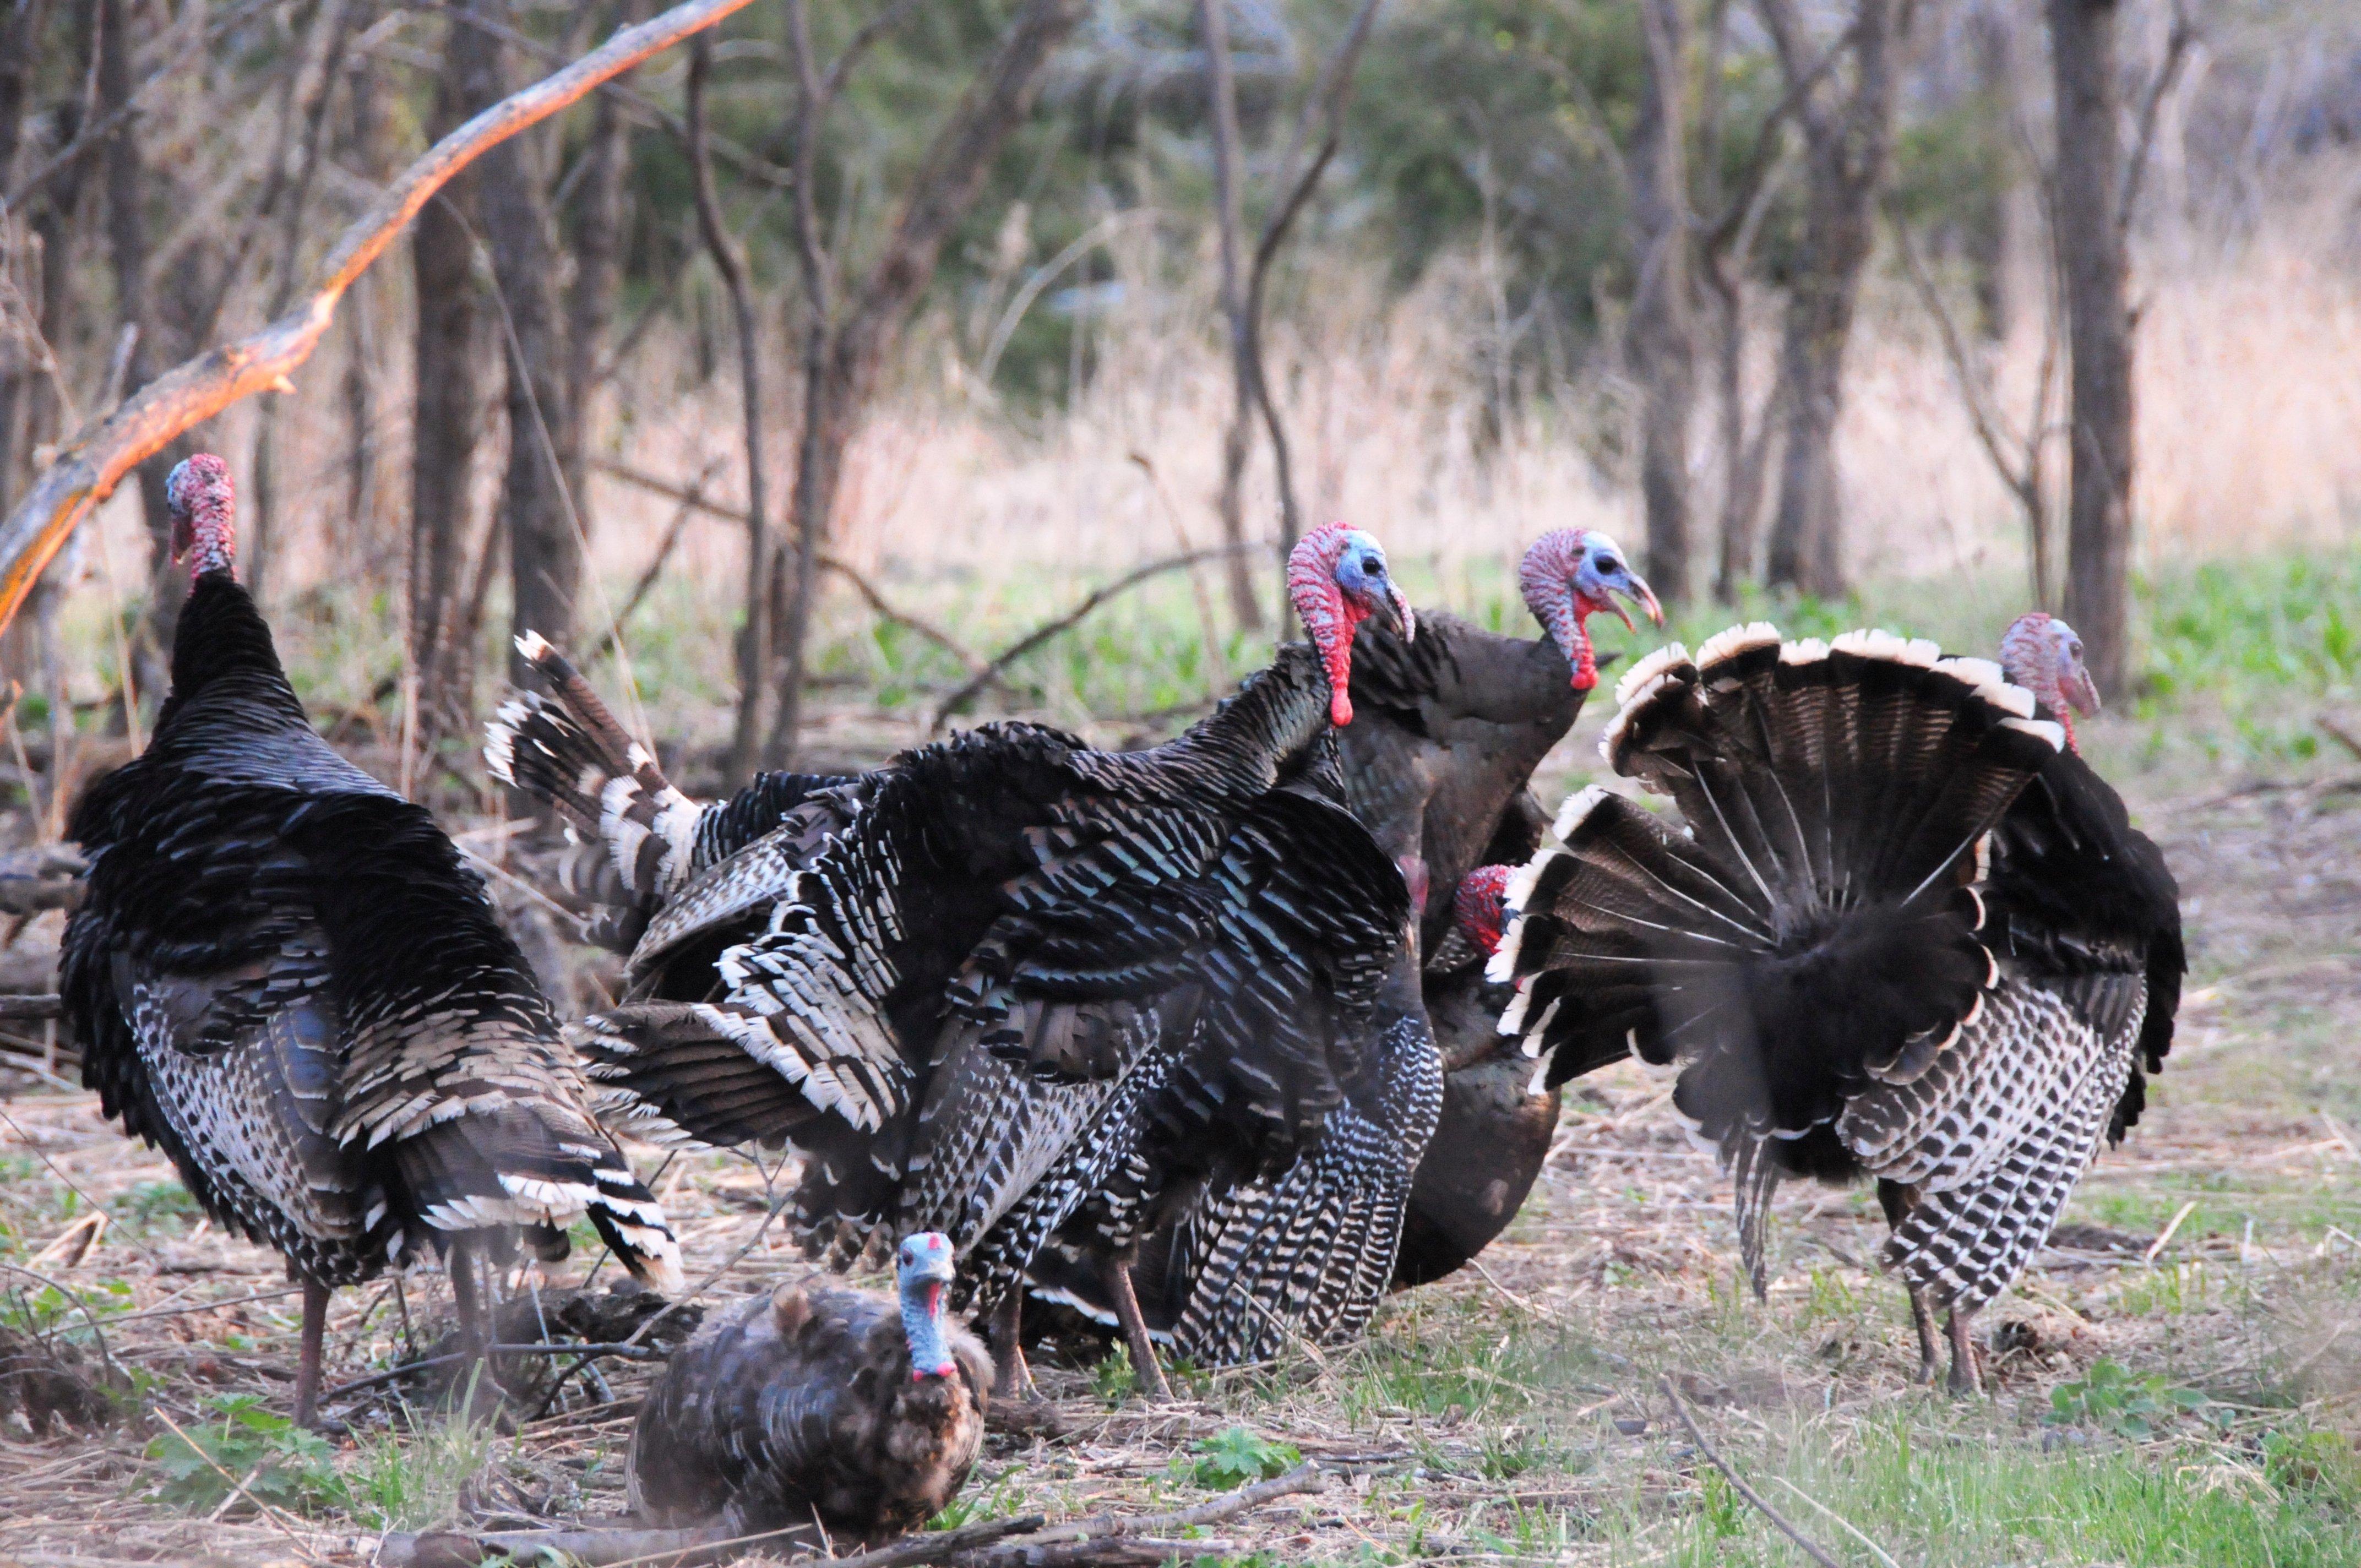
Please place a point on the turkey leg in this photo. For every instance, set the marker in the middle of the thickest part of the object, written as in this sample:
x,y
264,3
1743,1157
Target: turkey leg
x,y
1012,1379
1964,1378
307,1368
1922,1317
474,1327
1116,1278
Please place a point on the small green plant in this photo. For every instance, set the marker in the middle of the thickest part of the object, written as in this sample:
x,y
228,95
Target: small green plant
x,y
271,1458
1113,1378
1236,1456
153,1202
2113,1400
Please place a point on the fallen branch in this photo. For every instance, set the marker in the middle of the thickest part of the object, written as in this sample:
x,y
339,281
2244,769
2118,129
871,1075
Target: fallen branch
x,y
629,1546
1811,1548
36,1007
88,468
620,1351
1073,617
1105,1528
861,584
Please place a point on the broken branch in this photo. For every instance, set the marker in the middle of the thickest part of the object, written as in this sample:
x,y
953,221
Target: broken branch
x,y
87,468
1811,1548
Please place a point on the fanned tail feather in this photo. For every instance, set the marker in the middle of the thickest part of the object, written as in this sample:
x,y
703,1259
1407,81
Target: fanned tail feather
x,y
566,749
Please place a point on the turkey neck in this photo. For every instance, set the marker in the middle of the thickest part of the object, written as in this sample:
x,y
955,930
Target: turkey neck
x,y
1276,715
922,1325
223,639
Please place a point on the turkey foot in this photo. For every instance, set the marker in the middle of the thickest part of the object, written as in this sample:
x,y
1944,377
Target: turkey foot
x,y
1012,1379
1965,1378
1150,1372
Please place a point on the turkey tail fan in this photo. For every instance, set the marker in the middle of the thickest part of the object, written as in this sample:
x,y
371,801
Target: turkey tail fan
x,y
1817,927
568,750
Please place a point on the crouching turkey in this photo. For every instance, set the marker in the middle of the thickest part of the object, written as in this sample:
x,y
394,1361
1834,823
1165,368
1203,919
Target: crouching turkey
x,y
1906,933
818,1402
284,977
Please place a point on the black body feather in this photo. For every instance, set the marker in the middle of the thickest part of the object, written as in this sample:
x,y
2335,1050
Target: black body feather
x,y
283,975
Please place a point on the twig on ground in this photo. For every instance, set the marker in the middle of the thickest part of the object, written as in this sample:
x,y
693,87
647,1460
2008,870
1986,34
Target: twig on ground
x,y
2157,1245
34,1008
1075,616
1811,1548
2338,733
1841,1523
630,1547
1307,1477
620,1350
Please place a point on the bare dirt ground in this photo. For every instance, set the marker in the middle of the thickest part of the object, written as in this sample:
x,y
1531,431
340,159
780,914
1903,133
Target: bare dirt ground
x,y
1514,1413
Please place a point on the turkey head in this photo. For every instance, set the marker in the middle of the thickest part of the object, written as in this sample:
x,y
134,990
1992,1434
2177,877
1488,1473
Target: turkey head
x,y
1336,576
1571,574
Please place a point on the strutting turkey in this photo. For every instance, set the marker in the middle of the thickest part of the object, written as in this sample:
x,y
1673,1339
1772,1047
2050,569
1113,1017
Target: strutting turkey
x,y
283,976
813,1402
1026,986
1907,933
1447,731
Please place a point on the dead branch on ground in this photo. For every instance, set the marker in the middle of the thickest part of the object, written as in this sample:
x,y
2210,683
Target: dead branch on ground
x,y
88,468
1811,1548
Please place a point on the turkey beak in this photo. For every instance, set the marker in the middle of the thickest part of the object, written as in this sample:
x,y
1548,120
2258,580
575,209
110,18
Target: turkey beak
x,y
2081,693
1635,589
1390,609
184,534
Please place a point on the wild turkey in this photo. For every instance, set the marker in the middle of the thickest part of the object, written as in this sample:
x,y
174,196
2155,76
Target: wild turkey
x,y
1024,976
814,1401
283,976
1907,933
644,843
1446,732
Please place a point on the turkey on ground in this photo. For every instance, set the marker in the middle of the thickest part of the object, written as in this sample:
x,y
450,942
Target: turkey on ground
x,y
1026,976
1446,732
283,975
818,1402
643,844
1907,933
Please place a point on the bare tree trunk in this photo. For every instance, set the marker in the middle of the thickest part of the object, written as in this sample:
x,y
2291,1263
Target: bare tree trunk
x,y
20,45
544,548
307,102
1662,339
843,359
448,408
365,147
1848,142
754,637
1222,110
2091,252
596,238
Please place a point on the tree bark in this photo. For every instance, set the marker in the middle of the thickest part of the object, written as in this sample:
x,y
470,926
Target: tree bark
x,y
545,545
754,637
448,408
843,359
1848,142
1222,113
596,236
2091,252
1663,337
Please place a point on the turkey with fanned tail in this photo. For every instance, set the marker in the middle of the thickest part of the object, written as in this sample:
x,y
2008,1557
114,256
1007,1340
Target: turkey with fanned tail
x,y
1903,931
1446,732
284,976
1023,975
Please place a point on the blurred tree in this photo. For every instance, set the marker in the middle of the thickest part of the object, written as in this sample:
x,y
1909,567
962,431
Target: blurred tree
x,y
1847,121
446,350
1664,348
2091,249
